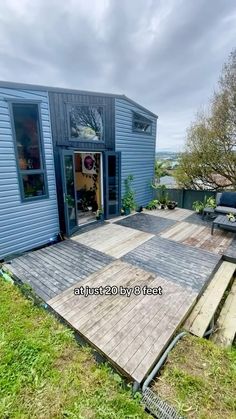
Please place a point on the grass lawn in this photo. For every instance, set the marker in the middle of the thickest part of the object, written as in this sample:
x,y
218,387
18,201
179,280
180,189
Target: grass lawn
x,y
199,380
45,374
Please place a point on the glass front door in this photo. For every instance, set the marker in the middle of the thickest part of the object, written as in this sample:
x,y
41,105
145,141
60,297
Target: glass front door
x,y
112,182
68,183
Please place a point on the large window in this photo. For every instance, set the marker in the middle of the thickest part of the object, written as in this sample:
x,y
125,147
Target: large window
x,y
29,151
86,123
141,124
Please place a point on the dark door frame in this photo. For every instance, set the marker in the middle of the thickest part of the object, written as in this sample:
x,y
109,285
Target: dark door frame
x,y
117,154
63,153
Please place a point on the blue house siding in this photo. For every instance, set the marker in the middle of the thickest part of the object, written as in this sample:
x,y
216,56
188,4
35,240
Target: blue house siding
x,y
137,150
26,225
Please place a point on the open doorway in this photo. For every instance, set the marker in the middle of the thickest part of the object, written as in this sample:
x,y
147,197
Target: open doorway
x,y
88,186
84,193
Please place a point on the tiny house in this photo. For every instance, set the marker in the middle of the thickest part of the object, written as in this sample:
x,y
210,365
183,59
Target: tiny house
x,y
64,156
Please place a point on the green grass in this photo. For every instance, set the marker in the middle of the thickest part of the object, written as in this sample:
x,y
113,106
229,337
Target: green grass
x,y
199,380
44,373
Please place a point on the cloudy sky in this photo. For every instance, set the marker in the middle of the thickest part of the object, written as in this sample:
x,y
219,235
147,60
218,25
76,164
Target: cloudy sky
x,y
165,54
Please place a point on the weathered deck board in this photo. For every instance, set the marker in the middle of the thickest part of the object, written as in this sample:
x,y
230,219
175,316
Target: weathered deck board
x,y
226,323
53,269
126,329
178,214
182,264
154,344
199,236
205,308
146,222
196,218
230,252
112,239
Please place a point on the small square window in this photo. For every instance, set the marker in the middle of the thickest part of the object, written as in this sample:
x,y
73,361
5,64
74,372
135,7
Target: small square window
x,y
141,124
86,123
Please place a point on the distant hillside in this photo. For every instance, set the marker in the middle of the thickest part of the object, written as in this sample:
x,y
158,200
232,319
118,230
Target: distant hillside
x,y
166,155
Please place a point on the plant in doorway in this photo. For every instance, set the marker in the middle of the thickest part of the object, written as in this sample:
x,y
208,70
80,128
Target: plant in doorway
x,y
100,214
128,201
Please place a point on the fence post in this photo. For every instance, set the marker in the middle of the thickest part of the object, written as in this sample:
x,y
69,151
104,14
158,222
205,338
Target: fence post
x,y
182,198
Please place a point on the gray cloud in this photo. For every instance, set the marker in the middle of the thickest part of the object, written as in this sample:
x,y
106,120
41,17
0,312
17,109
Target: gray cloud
x,y
165,54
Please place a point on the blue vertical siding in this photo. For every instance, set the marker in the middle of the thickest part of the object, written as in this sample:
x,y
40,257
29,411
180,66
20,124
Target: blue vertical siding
x,y
137,150
27,225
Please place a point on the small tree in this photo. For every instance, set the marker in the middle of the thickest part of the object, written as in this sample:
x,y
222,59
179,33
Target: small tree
x,y
209,159
160,170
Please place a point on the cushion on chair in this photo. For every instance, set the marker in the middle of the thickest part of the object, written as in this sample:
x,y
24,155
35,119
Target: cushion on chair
x,y
218,196
225,210
228,199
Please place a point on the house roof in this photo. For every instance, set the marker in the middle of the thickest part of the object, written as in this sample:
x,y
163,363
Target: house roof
x,y
15,85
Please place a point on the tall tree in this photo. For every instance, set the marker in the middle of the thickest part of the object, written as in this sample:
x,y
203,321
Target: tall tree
x,y
209,159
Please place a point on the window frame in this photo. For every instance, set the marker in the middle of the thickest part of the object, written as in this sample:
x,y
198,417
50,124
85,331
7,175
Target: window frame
x,y
142,119
69,105
21,173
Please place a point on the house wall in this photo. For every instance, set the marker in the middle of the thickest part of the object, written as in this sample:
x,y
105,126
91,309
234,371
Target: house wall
x,y
137,150
26,225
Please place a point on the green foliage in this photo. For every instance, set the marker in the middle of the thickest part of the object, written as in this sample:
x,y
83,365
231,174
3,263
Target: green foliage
x,y
160,169
162,195
198,206
44,373
207,202
210,202
231,217
154,204
128,201
209,159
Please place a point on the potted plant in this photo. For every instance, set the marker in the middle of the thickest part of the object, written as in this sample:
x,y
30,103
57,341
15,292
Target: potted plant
x,y
231,217
163,202
154,204
210,202
163,195
128,201
198,206
171,205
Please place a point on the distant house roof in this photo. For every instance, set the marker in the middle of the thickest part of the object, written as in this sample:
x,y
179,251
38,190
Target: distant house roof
x,y
15,85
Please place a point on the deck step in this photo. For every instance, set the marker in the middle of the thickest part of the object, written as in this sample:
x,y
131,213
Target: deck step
x,y
226,323
203,312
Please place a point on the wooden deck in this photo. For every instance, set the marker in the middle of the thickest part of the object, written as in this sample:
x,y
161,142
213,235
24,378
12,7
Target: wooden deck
x,y
179,214
51,270
230,252
112,239
200,237
226,323
181,264
147,223
131,332
205,308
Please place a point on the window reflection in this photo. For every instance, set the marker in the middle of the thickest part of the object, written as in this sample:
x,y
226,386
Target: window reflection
x,y
86,123
32,177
